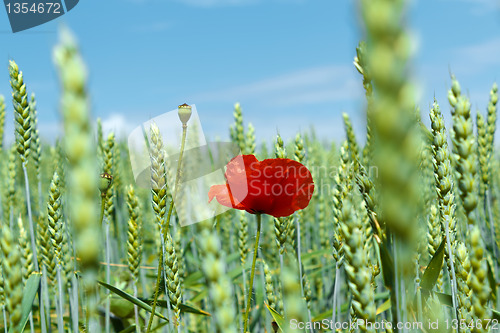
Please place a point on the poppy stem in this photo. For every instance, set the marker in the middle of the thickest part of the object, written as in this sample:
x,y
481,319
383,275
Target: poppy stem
x,y
103,202
252,274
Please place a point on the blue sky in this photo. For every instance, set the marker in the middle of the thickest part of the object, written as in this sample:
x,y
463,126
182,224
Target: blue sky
x,y
288,62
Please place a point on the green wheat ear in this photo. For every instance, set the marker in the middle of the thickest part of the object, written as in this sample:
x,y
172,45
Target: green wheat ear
x,y
250,140
46,250
55,218
109,168
243,237
2,120
173,280
158,177
12,272
464,147
492,117
11,183
357,269
80,150
481,291
282,225
24,247
133,242
483,154
21,111
360,62
271,298
351,139
100,138
443,184
397,142
237,131
36,148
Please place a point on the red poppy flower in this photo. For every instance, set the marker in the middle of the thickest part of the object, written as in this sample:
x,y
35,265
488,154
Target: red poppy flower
x,y
276,187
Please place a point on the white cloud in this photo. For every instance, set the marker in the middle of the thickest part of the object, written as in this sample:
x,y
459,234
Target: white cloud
x,y
484,52
313,85
476,58
480,7
117,123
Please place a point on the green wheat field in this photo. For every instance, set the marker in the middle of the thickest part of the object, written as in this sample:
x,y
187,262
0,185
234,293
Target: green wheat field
x,y
401,234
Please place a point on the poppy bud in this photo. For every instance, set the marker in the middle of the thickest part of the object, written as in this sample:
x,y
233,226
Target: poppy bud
x,y
105,182
184,113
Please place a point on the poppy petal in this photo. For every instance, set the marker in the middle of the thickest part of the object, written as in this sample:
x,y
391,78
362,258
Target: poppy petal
x,y
276,187
237,174
223,196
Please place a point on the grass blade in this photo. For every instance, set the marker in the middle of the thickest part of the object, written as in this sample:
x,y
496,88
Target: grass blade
x,y
130,298
29,294
433,270
276,316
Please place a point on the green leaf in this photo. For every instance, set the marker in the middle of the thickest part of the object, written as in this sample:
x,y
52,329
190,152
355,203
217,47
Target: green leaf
x,y
318,269
29,294
185,308
382,295
328,314
193,279
276,316
496,314
433,270
387,266
129,329
191,309
313,254
201,295
157,327
384,307
121,307
445,299
491,279
130,298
